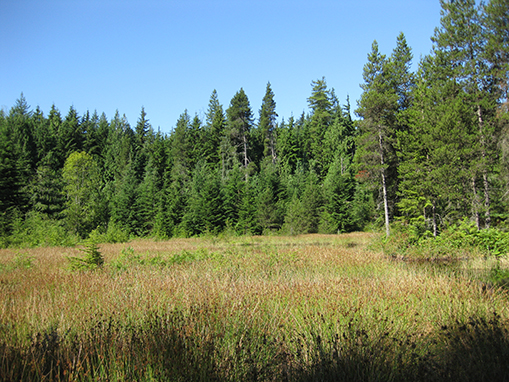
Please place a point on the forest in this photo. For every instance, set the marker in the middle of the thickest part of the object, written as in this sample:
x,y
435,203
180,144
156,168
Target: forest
x,y
422,151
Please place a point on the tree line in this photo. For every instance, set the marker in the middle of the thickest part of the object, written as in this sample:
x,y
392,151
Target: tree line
x,y
430,149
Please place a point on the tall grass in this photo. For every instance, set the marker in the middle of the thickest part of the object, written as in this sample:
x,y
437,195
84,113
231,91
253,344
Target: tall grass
x,y
312,307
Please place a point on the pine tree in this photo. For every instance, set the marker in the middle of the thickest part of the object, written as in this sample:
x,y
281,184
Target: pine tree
x,y
287,145
339,142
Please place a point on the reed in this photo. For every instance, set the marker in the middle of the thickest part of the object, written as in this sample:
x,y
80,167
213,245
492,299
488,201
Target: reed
x,y
312,307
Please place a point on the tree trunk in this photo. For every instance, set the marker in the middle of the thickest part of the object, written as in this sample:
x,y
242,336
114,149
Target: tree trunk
x,y
487,213
475,204
273,149
434,220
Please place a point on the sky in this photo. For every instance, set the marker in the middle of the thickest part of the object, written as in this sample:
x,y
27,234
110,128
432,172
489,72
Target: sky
x,y
168,56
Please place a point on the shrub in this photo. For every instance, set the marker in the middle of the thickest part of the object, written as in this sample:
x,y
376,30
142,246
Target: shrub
x,y
91,261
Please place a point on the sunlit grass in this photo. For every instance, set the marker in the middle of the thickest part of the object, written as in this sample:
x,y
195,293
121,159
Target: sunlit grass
x,y
250,308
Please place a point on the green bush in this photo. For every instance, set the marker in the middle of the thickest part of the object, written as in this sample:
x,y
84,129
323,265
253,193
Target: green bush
x,y
114,234
91,261
126,259
37,230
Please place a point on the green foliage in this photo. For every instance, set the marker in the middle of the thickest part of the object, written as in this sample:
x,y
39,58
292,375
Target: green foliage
x,y
113,234
82,188
430,149
37,230
92,260
459,241
127,259
499,277
20,261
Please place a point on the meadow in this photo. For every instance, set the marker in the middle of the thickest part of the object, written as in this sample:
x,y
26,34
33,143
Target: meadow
x,y
276,308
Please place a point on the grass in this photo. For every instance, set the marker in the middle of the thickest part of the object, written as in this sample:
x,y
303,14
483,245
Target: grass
x,y
301,308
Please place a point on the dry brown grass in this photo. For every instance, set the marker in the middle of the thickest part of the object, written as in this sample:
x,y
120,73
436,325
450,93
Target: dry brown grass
x,y
291,289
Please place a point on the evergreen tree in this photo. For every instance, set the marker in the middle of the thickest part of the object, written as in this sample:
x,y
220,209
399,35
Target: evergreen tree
x,y
267,124
240,121
287,145
69,135
10,177
147,200
180,142
214,130
46,194
43,140
54,124
196,138
378,106
248,223
233,187
436,152
123,202
339,142
495,21
91,139
204,205
142,129
321,103
269,199
460,43
338,194
20,137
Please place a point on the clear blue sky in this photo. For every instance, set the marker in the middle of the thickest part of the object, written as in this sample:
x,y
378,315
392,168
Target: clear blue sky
x,y
169,56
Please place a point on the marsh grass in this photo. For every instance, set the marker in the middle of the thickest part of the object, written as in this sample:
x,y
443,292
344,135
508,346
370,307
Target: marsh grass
x,y
311,307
